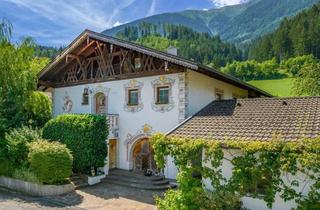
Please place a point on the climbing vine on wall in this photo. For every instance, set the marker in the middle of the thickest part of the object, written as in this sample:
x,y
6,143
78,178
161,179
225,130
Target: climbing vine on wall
x,y
260,169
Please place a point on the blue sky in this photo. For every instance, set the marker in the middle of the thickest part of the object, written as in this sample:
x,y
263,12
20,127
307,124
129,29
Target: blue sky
x,y
58,22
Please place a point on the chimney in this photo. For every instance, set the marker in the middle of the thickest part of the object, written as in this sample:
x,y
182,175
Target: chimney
x,y
172,50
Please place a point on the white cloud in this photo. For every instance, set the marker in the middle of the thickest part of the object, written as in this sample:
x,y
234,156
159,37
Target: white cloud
x,y
152,8
75,13
205,9
117,23
221,3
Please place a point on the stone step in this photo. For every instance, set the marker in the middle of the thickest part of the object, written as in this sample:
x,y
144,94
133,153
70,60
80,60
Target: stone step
x,y
124,173
137,180
138,185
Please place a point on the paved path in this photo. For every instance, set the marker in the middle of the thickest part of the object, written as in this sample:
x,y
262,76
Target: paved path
x,y
102,196
10,200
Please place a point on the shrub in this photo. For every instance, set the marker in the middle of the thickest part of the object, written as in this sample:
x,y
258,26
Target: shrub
x,y
223,200
37,109
6,167
84,135
3,148
26,174
51,161
6,164
198,199
17,143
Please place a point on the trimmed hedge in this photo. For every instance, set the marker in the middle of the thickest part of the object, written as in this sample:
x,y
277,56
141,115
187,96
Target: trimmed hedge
x,y
51,161
84,135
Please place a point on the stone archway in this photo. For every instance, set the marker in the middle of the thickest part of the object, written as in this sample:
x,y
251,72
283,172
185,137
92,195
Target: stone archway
x,y
142,156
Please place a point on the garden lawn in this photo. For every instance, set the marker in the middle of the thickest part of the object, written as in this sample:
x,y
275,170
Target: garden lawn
x,y
276,87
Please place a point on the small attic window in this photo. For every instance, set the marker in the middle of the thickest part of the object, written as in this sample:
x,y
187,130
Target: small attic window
x,y
219,94
137,63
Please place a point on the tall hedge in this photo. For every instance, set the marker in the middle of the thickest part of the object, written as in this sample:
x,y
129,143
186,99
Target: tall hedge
x,y
84,135
51,161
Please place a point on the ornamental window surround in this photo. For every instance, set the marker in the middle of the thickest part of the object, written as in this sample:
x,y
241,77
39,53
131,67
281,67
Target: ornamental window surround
x,y
162,94
133,101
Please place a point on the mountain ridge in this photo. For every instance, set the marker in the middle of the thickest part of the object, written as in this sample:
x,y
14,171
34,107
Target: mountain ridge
x,y
237,23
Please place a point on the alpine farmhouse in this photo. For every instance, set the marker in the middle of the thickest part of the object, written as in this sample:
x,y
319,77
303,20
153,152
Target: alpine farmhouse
x,y
142,91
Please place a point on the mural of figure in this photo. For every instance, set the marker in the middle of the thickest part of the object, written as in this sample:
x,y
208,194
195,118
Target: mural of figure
x,y
67,105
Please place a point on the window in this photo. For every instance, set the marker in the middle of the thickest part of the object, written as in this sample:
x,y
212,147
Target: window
x,y
163,95
100,103
219,94
85,97
137,63
133,102
133,96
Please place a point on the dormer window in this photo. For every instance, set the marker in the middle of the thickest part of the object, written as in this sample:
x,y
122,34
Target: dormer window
x,y
133,97
219,94
163,95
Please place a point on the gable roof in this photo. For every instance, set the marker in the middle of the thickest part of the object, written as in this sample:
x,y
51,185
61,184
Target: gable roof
x,y
87,34
255,119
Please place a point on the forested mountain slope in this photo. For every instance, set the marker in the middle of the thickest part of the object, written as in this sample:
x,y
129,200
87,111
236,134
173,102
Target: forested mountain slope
x,y
238,23
297,36
193,45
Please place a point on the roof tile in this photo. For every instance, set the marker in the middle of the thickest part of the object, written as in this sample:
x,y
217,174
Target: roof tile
x,y
258,118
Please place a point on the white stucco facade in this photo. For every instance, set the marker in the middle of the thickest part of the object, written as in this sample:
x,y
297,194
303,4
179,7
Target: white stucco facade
x,y
202,91
190,92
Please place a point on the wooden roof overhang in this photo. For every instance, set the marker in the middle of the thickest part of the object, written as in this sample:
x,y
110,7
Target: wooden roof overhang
x,y
89,42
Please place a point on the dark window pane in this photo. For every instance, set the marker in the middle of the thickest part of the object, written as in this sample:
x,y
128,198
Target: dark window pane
x,y
133,97
163,95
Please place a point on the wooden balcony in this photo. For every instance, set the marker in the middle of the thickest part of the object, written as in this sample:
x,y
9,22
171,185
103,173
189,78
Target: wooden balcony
x,y
113,122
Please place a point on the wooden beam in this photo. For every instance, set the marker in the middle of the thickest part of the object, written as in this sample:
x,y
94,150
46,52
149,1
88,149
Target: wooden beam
x,y
86,47
118,77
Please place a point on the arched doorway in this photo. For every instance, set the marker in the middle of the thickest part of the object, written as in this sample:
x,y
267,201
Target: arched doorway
x,y
143,156
100,103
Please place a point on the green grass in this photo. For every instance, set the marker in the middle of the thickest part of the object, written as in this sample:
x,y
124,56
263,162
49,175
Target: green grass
x,y
276,87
